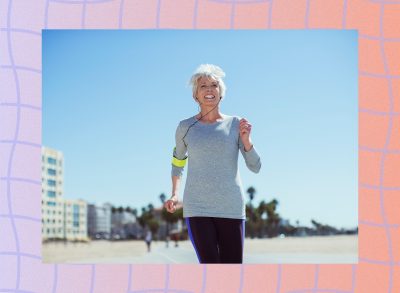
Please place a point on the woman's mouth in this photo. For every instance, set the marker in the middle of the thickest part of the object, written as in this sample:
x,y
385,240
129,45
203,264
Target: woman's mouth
x,y
209,97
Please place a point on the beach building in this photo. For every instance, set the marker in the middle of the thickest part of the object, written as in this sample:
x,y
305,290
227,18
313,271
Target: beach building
x,y
62,219
124,225
75,219
52,194
99,220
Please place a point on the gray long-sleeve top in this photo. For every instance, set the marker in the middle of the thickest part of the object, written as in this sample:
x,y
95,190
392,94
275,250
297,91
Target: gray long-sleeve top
x,y
213,186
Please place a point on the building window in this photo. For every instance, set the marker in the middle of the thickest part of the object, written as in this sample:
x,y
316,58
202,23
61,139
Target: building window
x,y
51,182
51,161
51,193
51,172
75,215
51,203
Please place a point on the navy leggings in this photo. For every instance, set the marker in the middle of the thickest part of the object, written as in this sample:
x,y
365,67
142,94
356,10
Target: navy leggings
x,y
217,240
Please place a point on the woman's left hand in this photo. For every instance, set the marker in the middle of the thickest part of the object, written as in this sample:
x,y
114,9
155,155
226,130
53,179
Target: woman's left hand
x,y
244,132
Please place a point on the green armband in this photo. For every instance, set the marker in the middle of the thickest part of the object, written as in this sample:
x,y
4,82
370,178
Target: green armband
x,y
177,162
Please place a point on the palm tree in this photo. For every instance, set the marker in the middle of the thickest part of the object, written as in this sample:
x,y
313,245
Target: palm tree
x,y
171,218
141,219
162,198
273,217
251,191
153,225
262,208
145,217
261,212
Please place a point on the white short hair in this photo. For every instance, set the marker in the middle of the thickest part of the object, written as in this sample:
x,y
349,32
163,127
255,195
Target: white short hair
x,y
210,71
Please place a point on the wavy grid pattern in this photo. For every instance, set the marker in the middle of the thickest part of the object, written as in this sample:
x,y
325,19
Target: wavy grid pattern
x,y
379,144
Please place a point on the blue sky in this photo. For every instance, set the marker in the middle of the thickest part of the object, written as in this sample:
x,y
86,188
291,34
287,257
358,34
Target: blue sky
x,y
112,101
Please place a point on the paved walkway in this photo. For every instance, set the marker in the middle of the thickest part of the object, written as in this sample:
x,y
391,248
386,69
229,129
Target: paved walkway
x,y
334,249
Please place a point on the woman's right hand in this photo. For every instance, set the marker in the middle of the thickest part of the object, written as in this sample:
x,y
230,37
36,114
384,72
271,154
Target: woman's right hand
x,y
170,204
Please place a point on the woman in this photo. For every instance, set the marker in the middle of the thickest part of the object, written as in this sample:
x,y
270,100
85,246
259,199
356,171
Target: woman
x,y
213,204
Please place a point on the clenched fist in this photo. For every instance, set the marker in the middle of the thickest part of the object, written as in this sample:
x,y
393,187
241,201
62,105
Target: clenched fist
x,y
244,132
170,204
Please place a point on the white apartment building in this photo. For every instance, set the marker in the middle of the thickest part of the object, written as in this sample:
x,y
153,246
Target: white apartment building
x,y
75,219
52,194
61,218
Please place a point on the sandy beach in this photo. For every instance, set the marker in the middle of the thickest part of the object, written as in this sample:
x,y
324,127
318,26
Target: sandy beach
x,y
317,249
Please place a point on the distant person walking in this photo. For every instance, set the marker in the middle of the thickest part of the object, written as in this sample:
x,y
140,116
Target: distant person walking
x,y
148,239
213,201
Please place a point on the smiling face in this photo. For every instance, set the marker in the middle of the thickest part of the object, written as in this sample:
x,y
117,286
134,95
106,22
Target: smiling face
x,y
208,91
